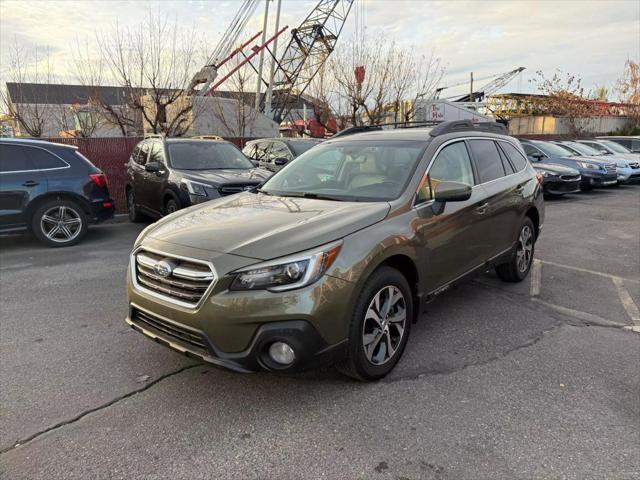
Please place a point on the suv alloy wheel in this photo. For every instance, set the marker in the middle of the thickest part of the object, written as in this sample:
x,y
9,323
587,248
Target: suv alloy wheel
x,y
59,223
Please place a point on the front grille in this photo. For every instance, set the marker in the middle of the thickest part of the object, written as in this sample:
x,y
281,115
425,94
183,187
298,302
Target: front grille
x,y
231,189
169,331
610,168
569,178
177,280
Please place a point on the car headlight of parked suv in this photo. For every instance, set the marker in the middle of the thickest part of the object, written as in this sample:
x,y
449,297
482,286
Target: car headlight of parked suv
x,y
195,188
591,166
546,173
287,273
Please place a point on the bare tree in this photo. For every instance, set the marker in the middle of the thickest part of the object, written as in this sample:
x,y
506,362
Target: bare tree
x,y
563,96
31,73
154,63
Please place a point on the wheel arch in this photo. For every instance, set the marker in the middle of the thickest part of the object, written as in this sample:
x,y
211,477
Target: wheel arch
x,y
69,196
534,215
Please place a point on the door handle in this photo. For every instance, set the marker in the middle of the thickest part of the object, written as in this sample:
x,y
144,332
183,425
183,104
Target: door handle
x,y
30,183
482,209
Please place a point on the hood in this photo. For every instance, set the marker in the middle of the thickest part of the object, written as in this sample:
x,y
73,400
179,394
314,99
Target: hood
x,y
594,160
227,176
556,168
263,227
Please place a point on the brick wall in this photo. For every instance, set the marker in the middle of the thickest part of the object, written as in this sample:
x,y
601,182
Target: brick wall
x,y
110,155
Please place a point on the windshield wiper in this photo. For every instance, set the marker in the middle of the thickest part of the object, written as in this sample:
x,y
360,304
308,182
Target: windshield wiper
x,y
318,196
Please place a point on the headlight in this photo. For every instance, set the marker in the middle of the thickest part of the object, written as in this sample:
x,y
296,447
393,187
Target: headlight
x,y
194,188
287,273
622,165
591,166
545,173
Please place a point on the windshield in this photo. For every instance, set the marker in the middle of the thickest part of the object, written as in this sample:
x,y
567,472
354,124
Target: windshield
x,y
552,149
302,146
585,149
351,171
203,155
616,147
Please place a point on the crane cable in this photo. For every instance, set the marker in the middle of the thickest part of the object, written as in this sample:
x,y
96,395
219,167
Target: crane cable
x,y
234,30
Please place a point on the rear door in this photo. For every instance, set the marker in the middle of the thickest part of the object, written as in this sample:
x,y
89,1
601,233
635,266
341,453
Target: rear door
x,y
503,189
21,180
448,236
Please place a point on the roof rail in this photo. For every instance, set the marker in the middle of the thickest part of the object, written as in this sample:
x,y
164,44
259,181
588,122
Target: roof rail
x,y
384,126
207,137
155,135
466,125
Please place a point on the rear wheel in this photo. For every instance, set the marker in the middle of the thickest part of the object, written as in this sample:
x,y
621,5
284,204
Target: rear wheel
x,y
380,326
134,214
59,223
517,268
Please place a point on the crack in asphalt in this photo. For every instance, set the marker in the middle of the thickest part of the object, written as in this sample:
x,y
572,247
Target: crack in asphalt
x,y
84,413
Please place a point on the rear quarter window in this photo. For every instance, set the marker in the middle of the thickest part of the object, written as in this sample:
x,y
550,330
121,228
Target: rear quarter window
x,y
42,159
13,158
518,160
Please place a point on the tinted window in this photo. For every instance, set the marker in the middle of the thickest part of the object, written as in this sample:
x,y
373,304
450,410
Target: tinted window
x,y
157,153
13,159
279,150
144,152
451,165
530,150
203,155
514,155
556,150
488,162
42,159
506,164
302,146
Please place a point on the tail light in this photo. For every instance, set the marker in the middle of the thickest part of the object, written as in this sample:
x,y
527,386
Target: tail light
x,y
540,178
100,179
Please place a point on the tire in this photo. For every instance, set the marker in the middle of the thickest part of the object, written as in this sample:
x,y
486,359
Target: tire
x,y
375,363
586,187
59,223
134,215
171,206
517,268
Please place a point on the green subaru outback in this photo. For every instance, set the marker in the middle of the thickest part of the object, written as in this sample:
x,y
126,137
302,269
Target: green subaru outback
x,y
332,258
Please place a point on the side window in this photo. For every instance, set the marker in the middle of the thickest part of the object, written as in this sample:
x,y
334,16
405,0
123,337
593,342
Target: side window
x,y
42,159
157,153
136,154
280,150
487,158
262,151
530,151
250,151
141,159
506,164
13,158
517,159
451,165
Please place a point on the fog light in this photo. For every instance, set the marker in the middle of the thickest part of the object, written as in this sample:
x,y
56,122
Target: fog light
x,y
282,353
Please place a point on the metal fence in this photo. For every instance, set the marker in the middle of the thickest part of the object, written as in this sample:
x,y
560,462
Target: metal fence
x,y
110,155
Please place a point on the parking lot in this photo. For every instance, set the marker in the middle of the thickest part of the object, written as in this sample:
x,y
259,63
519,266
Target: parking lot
x,y
531,380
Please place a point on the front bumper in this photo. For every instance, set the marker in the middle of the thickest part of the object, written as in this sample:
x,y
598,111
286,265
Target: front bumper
x,y
558,186
597,179
311,349
237,325
626,175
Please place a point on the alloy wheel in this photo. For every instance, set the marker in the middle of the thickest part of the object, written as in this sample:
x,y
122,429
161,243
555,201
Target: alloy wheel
x,y
384,325
524,251
61,224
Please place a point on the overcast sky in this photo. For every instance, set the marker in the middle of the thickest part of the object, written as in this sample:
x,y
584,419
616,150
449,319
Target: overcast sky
x,y
589,38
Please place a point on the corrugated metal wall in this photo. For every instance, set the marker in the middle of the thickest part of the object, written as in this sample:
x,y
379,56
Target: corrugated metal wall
x,y
110,154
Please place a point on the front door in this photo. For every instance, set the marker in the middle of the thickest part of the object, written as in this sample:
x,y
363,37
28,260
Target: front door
x,y
448,234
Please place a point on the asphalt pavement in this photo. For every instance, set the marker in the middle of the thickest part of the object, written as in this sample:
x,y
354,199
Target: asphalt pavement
x,y
533,380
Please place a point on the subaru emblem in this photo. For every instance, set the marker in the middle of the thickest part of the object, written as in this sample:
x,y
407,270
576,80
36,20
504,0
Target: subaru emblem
x,y
163,268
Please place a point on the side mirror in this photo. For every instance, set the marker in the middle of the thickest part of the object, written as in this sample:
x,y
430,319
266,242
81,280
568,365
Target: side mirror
x,y
280,161
153,167
452,192
537,156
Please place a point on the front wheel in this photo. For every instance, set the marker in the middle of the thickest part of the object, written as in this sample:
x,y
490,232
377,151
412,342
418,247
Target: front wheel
x,y
380,326
59,223
517,268
171,206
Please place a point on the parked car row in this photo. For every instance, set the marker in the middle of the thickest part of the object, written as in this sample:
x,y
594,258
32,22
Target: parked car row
x,y
53,191
572,165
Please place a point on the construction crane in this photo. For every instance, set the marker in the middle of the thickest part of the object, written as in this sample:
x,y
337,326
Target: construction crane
x,y
310,46
499,81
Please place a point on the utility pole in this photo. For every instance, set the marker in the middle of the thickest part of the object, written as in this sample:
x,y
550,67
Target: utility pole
x,y
267,101
261,61
471,91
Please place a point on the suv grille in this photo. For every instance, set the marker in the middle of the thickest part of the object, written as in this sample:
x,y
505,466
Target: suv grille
x,y
169,331
610,168
180,281
569,178
231,189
